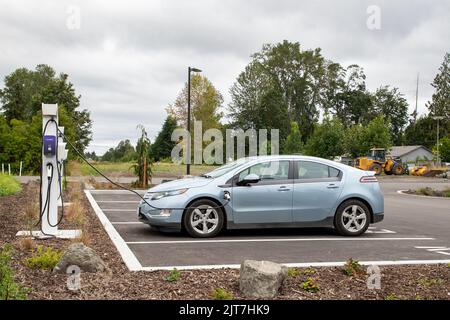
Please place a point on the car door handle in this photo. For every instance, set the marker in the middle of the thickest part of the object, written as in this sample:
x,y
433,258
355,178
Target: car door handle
x,y
283,188
332,186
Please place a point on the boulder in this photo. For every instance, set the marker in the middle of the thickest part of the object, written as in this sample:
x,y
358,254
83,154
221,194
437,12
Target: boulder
x,y
82,256
261,279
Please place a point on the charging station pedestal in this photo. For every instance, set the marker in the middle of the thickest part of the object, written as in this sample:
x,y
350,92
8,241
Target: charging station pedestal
x,y
52,152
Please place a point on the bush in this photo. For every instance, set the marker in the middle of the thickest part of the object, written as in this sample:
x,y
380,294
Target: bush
x,y
8,185
310,285
9,289
221,294
174,275
44,259
352,268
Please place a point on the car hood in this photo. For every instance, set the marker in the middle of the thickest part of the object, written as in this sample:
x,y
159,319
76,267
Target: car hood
x,y
193,182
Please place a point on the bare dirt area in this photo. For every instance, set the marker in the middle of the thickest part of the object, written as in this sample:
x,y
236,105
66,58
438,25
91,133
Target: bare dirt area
x,y
397,282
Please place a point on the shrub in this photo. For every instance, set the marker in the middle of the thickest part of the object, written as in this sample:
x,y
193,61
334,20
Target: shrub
x,y
27,244
174,275
44,259
221,294
352,268
8,185
9,289
310,285
292,272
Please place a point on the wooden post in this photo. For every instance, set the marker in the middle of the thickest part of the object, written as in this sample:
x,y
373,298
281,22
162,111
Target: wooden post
x,y
20,169
3,168
9,168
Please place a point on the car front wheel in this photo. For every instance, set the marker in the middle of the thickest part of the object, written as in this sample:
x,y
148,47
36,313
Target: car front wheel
x,y
352,218
203,219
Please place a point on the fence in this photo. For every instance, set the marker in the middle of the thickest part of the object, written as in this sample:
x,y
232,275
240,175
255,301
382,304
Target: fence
x,y
6,169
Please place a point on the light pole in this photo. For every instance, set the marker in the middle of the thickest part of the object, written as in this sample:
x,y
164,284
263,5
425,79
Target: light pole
x,y
437,139
188,147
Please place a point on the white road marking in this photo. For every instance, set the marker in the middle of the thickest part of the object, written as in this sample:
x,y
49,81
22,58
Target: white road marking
x,y
126,222
128,256
275,240
120,210
116,201
441,250
302,265
379,231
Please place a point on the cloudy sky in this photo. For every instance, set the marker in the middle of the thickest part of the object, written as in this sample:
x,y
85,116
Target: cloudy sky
x,y
129,59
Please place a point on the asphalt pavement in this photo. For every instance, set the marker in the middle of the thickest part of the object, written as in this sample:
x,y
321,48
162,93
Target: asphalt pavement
x,y
415,230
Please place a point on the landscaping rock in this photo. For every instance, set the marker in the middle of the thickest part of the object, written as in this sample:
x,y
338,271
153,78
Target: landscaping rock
x,y
261,279
83,257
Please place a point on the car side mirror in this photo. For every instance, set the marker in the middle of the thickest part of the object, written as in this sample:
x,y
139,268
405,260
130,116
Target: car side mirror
x,y
250,178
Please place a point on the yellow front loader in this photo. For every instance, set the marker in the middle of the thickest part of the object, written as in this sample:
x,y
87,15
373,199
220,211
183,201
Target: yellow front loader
x,y
376,161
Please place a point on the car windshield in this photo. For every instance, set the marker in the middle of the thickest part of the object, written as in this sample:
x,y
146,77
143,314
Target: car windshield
x,y
225,168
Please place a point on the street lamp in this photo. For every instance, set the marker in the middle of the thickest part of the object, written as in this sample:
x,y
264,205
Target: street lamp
x,y
437,139
188,153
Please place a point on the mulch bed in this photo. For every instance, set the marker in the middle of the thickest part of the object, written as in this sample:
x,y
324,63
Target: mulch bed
x,y
397,282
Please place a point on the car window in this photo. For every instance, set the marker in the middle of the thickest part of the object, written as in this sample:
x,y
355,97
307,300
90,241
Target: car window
x,y
273,170
315,170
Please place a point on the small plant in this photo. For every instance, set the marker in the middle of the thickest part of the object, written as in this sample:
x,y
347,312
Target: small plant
x,y
309,271
392,296
8,185
428,282
310,285
9,289
292,272
31,216
174,275
75,213
352,268
44,259
221,294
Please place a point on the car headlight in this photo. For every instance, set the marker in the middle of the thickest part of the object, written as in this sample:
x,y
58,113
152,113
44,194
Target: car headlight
x,y
163,194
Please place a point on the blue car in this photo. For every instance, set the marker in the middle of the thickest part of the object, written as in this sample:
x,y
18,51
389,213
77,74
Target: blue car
x,y
267,192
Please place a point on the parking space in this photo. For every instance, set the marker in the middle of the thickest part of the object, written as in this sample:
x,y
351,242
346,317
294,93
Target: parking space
x,y
415,230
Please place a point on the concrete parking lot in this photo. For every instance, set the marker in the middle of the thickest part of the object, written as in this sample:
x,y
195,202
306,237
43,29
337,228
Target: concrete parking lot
x,y
415,230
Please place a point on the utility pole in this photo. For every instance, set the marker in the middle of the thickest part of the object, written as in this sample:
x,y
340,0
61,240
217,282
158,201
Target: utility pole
x,y
188,145
417,97
438,160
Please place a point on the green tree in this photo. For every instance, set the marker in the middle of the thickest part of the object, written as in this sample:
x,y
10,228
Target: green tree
x,y
206,102
444,149
124,152
163,145
142,167
377,134
390,102
25,90
423,132
440,101
284,73
327,139
354,141
294,142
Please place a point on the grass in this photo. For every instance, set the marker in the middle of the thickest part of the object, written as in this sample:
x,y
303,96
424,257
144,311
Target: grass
x,y
44,259
352,268
221,294
8,185
427,191
174,275
9,288
124,169
310,285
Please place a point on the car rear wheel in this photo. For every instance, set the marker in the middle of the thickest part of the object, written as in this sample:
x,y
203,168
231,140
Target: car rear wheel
x,y
352,218
203,219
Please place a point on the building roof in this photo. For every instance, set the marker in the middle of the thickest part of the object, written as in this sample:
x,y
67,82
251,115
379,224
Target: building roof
x,y
399,151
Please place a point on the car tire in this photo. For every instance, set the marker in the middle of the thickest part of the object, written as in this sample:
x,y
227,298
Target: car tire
x,y
352,218
203,219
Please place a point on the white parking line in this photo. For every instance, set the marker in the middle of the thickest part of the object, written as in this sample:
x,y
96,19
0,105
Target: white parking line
x,y
302,264
275,240
441,250
116,201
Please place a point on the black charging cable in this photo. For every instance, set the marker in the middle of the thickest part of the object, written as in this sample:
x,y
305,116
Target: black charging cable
x,y
226,195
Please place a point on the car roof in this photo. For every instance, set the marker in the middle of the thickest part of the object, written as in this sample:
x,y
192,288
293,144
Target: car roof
x,y
297,157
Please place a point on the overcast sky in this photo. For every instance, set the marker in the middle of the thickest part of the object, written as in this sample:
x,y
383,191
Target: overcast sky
x,y
129,59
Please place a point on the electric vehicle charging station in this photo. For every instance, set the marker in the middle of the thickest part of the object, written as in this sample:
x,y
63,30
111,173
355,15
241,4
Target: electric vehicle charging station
x,y
53,154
